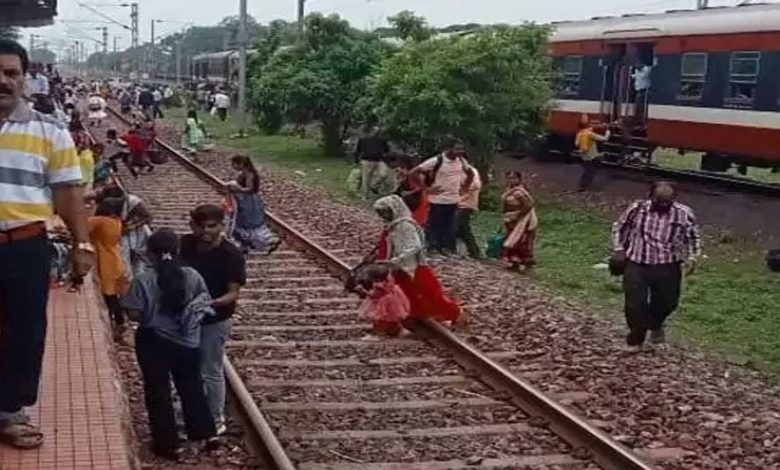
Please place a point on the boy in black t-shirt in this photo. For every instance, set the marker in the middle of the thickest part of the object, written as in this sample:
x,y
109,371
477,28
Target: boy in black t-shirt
x,y
223,268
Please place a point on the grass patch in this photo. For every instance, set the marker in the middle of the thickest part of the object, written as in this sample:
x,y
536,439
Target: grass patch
x,y
690,161
729,306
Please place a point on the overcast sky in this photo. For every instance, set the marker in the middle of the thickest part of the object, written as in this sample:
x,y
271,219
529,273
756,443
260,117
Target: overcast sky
x,y
362,13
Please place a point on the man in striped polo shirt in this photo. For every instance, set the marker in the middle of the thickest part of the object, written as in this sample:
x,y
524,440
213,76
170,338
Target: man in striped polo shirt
x,y
39,175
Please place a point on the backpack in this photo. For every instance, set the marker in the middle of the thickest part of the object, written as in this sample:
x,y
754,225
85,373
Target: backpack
x,y
430,177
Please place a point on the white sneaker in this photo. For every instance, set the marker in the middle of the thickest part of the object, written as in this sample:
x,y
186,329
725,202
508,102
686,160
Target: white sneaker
x,y
371,338
221,428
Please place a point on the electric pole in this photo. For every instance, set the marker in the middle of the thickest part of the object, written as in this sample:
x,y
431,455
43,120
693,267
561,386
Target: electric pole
x,y
105,40
702,4
134,24
242,39
151,53
301,14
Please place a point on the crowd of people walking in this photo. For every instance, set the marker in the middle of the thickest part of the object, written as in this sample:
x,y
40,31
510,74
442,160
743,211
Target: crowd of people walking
x,y
182,290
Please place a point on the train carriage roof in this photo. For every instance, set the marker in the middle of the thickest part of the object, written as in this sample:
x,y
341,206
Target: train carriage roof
x,y
750,18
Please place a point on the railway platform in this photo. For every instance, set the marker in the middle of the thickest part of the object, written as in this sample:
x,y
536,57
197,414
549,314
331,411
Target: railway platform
x,y
80,409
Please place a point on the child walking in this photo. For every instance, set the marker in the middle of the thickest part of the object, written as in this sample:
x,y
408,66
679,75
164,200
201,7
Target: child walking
x,y
169,303
384,303
105,233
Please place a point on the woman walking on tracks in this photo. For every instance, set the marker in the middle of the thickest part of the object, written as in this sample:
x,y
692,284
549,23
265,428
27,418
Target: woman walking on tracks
x,y
402,247
169,302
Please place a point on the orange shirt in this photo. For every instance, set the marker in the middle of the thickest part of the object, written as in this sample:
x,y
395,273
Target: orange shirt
x,y
470,198
105,233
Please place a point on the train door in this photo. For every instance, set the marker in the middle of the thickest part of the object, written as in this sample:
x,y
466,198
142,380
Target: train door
x,y
623,102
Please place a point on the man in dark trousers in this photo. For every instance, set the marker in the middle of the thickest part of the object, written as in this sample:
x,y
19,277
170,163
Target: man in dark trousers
x,y
223,268
371,152
146,102
445,174
653,239
28,138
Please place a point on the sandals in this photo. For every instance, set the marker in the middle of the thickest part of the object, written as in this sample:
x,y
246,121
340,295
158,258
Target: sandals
x,y
21,435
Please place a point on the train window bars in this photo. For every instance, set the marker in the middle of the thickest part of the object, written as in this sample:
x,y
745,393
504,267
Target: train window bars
x,y
568,75
743,77
693,76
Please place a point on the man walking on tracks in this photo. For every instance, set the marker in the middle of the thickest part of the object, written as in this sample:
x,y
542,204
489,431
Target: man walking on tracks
x,y
651,240
223,268
40,174
371,152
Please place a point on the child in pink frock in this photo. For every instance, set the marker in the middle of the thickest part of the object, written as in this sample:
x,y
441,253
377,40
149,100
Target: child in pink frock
x,y
385,304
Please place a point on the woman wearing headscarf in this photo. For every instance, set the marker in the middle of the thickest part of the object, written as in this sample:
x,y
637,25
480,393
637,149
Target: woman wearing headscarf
x,y
402,247
520,222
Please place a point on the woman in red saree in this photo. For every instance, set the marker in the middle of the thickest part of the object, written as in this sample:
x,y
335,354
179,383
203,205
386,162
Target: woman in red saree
x,y
520,223
412,190
402,246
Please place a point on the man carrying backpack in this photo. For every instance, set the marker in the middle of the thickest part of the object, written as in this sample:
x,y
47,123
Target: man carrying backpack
x,y
445,175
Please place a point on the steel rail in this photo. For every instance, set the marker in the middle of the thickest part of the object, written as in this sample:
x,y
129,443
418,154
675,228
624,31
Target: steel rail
x,y
261,437
723,182
588,442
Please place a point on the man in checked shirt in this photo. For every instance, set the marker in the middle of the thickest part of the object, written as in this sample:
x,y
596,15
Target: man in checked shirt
x,y
655,238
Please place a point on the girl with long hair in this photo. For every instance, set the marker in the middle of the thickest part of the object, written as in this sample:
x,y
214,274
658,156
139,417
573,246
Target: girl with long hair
x,y
169,303
250,228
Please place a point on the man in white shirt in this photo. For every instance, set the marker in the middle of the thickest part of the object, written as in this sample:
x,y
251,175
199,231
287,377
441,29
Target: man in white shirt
x,y
221,103
157,106
444,174
36,82
642,82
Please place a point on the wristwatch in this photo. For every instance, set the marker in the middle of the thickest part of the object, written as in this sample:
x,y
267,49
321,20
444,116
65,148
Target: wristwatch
x,y
85,246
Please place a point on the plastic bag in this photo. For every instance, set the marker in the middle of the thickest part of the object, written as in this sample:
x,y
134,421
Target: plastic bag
x,y
353,181
495,244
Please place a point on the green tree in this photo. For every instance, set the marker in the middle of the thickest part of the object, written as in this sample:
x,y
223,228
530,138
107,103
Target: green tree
x,y
408,26
319,78
43,56
9,32
489,88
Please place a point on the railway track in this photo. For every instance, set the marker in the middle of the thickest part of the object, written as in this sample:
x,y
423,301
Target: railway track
x,y
316,397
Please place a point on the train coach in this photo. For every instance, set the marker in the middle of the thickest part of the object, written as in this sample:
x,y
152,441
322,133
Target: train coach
x,y
714,83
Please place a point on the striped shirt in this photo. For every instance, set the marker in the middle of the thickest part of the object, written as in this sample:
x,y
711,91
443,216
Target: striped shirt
x,y
36,154
653,237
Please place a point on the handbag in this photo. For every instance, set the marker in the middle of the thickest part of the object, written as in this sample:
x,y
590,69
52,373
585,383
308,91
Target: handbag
x,y
495,244
157,157
618,259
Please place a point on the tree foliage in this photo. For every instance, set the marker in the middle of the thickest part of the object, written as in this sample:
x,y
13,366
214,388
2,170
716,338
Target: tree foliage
x,y
43,56
319,78
489,88
9,32
408,26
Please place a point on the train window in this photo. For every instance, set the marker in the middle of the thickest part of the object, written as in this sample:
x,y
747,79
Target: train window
x,y
568,75
743,77
693,76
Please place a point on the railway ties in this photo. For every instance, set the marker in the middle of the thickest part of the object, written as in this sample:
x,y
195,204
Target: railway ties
x,y
336,402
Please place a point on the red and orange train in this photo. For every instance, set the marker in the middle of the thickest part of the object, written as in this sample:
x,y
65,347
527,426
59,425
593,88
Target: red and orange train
x,y
714,82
